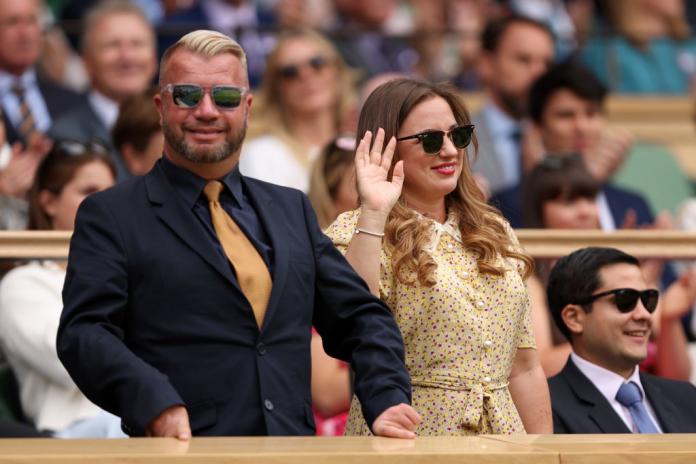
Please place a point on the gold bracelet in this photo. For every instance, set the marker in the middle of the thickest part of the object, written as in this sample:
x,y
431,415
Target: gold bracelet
x,y
358,230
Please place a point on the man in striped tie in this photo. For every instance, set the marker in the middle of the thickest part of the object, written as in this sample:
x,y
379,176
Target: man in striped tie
x,y
601,302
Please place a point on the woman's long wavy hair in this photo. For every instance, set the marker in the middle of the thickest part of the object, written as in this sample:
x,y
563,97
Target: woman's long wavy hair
x,y
482,228
271,115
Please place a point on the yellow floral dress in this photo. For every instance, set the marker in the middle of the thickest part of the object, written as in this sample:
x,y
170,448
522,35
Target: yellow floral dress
x,y
461,336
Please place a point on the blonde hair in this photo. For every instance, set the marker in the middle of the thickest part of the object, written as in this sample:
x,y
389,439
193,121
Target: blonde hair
x,y
334,163
482,228
206,43
270,114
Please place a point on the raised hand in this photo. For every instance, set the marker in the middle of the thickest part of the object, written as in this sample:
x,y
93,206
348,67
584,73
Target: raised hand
x,y
377,193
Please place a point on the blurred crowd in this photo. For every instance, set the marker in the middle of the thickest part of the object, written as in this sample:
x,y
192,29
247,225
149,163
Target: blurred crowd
x,y
77,79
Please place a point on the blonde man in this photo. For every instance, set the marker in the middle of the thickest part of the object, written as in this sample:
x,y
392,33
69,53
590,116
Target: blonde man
x,y
191,291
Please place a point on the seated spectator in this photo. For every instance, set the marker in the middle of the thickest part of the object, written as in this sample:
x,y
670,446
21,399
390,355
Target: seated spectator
x,y
567,110
137,134
560,193
31,303
332,191
332,188
304,100
602,303
118,48
653,51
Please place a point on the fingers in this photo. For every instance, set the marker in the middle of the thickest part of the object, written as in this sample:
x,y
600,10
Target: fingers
x,y
630,219
362,152
376,152
388,154
398,421
395,432
398,174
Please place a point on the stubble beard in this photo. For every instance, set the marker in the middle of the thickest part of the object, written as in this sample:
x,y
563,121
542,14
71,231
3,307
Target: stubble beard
x,y
204,155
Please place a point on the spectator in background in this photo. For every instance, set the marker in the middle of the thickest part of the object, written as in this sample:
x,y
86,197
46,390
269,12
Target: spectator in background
x,y
560,193
601,302
556,15
304,101
137,134
30,299
516,51
652,51
332,188
118,48
567,109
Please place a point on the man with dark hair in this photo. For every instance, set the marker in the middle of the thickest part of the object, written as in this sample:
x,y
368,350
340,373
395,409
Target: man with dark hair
x,y
516,50
566,105
600,301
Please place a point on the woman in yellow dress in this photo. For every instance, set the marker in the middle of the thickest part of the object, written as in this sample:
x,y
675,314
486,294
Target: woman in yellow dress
x,y
446,263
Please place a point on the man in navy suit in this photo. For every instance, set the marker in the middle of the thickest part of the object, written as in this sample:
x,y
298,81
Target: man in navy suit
x,y
566,106
600,301
156,327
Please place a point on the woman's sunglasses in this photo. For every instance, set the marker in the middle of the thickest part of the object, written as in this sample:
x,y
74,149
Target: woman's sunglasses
x,y
626,299
225,97
432,140
292,71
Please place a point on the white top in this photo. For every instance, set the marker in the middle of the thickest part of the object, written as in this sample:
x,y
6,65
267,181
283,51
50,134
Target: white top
x,y
106,108
608,384
30,307
268,158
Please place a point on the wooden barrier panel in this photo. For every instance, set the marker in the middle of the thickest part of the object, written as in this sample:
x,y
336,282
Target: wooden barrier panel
x,y
615,449
275,450
540,243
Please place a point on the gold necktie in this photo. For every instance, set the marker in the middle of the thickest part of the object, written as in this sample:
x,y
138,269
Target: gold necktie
x,y
252,272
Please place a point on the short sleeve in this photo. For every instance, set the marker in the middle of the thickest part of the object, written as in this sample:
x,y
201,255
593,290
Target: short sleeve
x,y
341,232
525,332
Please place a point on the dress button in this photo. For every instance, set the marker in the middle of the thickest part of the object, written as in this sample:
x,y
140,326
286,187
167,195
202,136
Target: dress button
x,y
480,304
465,274
485,379
488,343
450,246
261,349
268,405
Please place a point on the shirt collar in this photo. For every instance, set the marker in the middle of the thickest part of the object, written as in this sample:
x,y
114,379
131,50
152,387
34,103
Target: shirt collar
x,y
191,186
449,227
7,80
106,108
499,122
606,381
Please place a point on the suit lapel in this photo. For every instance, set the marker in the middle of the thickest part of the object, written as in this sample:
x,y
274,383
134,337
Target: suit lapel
x,y
665,410
182,222
597,407
271,216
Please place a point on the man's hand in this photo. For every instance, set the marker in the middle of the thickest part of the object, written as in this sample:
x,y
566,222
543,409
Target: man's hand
x,y
399,421
172,422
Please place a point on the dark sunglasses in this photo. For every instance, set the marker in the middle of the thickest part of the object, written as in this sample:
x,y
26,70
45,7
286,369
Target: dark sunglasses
x,y
626,299
292,71
432,140
225,97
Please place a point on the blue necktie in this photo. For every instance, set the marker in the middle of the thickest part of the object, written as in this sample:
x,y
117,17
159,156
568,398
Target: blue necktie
x,y
630,396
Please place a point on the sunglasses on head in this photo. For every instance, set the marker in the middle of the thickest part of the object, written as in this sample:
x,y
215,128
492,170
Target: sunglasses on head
x,y
225,97
432,140
626,299
292,71
67,147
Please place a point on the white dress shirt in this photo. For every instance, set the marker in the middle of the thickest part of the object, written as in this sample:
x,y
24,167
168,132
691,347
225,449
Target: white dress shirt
x,y
105,108
608,384
502,127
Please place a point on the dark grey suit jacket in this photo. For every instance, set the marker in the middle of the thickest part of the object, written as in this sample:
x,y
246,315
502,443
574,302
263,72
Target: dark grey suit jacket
x,y
579,407
83,124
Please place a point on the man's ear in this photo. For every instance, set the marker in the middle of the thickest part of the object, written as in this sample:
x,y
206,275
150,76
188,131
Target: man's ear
x,y
574,318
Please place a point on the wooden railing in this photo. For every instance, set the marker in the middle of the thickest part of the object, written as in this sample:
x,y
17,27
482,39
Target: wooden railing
x,y
518,449
540,243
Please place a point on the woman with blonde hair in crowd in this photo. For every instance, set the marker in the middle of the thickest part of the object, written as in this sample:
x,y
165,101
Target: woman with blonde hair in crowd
x,y
446,263
304,101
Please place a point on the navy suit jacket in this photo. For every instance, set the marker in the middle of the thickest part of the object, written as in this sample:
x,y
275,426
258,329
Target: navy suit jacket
x,y
579,407
509,202
153,316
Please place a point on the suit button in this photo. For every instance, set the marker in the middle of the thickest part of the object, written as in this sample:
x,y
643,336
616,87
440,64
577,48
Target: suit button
x,y
268,405
261,349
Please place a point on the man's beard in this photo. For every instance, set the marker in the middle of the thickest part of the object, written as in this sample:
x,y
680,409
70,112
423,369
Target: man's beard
x,y
203,155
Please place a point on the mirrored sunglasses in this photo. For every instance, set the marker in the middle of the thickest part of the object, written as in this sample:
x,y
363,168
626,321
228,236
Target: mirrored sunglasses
x,y
433,140
626,299
225,97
